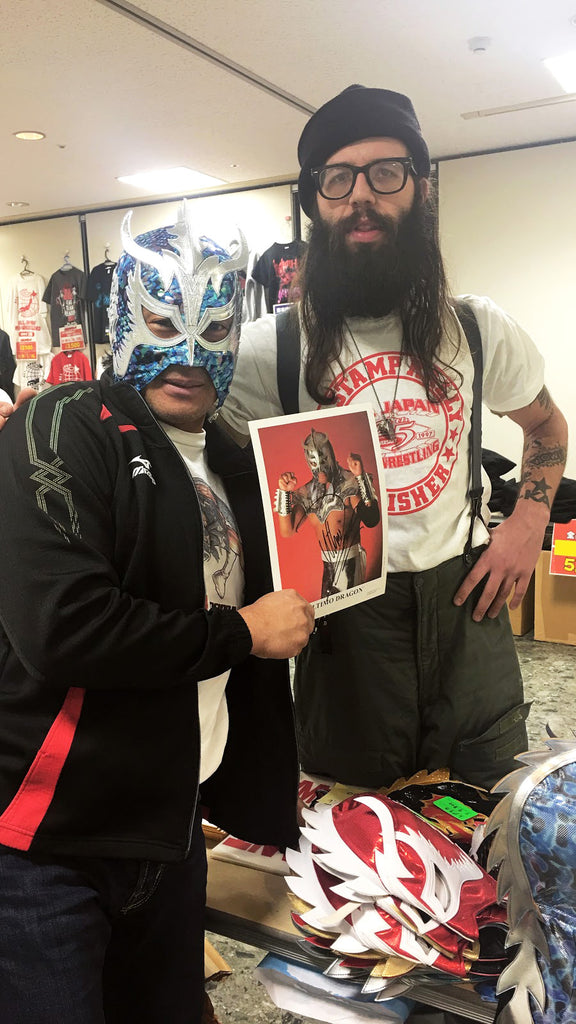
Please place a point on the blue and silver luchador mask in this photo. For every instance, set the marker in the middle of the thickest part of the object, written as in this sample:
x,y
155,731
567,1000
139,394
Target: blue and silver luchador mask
x,y
190,281
535,850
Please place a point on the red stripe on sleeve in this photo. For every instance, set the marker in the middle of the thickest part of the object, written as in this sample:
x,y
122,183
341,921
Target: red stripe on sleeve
x,y
23,816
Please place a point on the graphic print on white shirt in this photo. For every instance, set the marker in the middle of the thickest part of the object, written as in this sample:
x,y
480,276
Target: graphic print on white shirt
x,y
427,482
427,435
223,582
27,322
222,548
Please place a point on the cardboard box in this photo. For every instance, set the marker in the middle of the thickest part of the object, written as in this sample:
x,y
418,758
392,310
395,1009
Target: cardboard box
x,y
522,618
215,966
554,605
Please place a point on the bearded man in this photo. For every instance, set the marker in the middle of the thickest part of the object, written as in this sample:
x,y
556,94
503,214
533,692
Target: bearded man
x,y
426,675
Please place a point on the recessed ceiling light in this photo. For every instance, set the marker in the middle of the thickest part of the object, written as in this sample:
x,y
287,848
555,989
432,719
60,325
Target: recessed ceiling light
x,y
30,136
15,203
169,179
564,70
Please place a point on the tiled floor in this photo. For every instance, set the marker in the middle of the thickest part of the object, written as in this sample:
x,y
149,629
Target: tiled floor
x,y
549,672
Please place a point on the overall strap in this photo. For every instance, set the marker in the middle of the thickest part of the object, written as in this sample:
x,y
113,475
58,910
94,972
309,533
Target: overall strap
x,y
469,324
288,359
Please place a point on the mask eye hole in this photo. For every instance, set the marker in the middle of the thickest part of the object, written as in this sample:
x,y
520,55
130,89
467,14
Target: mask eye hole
x,y
161,326
217,330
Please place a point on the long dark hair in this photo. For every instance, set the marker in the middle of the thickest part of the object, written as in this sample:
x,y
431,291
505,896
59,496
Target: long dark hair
x,y
414,286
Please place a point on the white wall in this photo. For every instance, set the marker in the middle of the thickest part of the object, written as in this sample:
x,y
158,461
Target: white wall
x,y
264,215
44,244
508,230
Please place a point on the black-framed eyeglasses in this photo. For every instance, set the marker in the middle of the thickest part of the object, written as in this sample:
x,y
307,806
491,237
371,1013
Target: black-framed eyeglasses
x,y
336,181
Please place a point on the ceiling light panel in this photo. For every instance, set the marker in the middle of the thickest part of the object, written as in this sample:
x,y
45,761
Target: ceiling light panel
x,y
170,179
564,70
30,136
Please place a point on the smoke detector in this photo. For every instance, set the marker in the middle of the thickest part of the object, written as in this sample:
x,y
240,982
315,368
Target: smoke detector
x,y
479,44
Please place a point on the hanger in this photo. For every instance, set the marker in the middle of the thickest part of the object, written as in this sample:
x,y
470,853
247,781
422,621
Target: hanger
x,y
66,265
107,260
26,271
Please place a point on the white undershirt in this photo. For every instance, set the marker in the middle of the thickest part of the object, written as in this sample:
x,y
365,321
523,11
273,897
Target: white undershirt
x,y
224,583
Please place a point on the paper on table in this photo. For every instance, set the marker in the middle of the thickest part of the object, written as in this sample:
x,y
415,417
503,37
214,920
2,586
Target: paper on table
x,y
301,990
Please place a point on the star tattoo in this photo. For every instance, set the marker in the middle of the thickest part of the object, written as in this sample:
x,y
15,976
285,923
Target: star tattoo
x,y
538,492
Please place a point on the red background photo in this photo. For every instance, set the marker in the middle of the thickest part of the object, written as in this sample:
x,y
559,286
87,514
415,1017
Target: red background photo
x,y
299,556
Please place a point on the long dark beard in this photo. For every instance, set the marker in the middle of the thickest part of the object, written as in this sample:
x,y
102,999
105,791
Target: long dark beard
x,y
366,280
404,274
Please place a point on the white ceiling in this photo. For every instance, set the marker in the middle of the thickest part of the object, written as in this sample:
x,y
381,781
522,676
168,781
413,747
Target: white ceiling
x,y
115,96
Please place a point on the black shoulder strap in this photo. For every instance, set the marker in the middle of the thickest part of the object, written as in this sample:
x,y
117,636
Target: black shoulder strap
x,y
466,316
288,359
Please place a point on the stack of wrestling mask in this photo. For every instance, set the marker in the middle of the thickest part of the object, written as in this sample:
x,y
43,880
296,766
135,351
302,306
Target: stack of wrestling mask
x,y
384,897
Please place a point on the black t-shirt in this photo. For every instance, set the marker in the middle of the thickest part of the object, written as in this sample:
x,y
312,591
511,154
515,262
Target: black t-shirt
x,y
65,293
98,293
276,268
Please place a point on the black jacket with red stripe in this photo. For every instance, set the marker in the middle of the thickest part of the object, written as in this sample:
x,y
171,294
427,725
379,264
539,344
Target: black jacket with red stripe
x,y
103,637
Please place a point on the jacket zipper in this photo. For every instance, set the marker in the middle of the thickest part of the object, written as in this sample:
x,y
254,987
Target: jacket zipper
x,y
201,560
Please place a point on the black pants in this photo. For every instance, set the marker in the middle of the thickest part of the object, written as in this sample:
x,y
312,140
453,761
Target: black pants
x,y
409,681
102,940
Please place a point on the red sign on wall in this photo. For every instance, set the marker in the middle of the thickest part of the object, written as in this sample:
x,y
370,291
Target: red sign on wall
x,y
563,556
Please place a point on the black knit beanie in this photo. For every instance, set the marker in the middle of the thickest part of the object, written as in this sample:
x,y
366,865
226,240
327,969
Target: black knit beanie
x,y
354,114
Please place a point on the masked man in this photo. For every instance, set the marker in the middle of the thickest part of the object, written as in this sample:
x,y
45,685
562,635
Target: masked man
x,y
336,501
426,675
141,671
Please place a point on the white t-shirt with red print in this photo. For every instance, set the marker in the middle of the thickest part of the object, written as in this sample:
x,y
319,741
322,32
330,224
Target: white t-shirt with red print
x,y
27,317
27,325
426,467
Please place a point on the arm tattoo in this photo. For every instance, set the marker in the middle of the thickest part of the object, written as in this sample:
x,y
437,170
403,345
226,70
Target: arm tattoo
x,y
538,492
543,452
543,398
536,455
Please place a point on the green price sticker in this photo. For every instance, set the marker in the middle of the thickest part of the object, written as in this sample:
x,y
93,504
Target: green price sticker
x,y
455,808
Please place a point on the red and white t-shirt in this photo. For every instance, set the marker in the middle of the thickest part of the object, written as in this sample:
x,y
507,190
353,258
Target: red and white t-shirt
x,y
69,366
27,325
426,467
